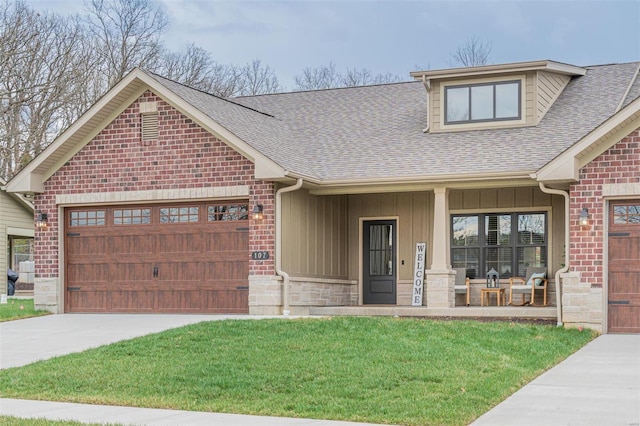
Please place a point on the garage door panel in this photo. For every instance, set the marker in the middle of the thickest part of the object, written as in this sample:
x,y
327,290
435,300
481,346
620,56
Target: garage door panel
x,y
624,282
227,241
88,245
224,270
87,301
128,264
179,243
131,272
183,270
624,318
232,301
624,248
133,300
83,273
136,244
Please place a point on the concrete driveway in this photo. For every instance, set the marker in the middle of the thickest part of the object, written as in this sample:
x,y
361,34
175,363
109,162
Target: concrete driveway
x,y
25,341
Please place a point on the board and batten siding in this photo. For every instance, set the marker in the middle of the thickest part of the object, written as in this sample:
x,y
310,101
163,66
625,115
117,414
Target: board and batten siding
x,y
413,212
496,200
549,87
17,217
314,237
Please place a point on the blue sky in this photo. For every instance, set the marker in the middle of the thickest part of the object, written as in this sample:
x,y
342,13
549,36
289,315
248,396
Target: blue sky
x,y
397,36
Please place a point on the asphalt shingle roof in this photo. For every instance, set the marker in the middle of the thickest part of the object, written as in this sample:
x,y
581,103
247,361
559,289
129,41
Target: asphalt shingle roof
x,y
377,131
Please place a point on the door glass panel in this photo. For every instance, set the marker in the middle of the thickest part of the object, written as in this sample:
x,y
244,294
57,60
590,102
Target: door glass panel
x,y
381,250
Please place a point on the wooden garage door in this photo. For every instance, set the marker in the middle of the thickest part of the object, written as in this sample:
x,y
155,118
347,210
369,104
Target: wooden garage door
x,y
158,258
624,267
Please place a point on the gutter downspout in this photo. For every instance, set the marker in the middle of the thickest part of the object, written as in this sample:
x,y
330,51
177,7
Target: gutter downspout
x,y
279,271
565,194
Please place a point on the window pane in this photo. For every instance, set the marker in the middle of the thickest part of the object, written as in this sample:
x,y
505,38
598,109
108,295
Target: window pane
x,y
178,214
497,230
498,258
507,100
531,256
531,229
380,250
468,258
457,101
465,231
482,102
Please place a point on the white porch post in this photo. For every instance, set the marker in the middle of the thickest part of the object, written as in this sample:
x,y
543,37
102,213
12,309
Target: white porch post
x,y
440,278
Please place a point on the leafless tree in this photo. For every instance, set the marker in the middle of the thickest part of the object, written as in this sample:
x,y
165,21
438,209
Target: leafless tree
x,y
127,34
258,79
327,77
473,53
39,55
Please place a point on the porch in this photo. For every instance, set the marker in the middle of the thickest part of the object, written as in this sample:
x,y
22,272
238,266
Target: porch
x,y
547,313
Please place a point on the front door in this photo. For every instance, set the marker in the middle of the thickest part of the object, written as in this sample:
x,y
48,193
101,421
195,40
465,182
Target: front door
x,y
624,267
379,262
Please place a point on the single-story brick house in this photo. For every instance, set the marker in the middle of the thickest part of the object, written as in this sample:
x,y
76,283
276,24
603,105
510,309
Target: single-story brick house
x,y
162,198
16,226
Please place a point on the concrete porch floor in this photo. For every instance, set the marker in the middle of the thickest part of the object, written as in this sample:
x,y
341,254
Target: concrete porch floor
x,y
516,312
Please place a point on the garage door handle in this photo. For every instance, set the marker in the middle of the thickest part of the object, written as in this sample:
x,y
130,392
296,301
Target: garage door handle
x,y
73,288
618,302
155,272
242,287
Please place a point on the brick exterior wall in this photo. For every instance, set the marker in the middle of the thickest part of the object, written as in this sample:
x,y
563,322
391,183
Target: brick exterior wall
x,y
617,167
620,164
184,156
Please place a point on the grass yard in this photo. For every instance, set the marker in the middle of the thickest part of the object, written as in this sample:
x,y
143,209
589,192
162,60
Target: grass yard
x,y
19,309
379,370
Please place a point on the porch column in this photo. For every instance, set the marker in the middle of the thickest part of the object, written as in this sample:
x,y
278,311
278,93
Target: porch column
x,y
440,278
440,244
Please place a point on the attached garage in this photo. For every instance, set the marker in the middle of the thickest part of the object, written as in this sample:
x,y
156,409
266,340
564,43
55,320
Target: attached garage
x,y
624,267
170,258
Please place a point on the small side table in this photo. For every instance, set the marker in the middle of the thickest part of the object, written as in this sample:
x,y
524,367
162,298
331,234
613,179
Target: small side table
x,y
499,292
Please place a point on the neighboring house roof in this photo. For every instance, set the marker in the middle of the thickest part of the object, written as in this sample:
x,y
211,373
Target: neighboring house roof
x,y
366,134
18,198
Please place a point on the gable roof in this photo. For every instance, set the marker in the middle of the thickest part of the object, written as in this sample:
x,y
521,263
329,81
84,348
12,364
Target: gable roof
x,y
365,135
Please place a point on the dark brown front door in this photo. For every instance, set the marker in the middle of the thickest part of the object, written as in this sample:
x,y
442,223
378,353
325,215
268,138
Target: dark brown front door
x,y
624,267
379,262
157,258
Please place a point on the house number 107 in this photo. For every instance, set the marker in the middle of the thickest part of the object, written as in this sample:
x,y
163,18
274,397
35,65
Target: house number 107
x,y
259,255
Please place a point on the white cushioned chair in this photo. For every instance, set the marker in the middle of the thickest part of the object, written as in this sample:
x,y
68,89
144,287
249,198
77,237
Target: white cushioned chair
x,y
534,279
463,285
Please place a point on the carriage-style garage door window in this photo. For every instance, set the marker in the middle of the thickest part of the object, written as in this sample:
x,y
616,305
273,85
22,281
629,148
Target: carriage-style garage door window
x,y
507,242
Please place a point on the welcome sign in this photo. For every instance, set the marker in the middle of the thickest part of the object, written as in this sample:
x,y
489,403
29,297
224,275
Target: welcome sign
x,y
418,275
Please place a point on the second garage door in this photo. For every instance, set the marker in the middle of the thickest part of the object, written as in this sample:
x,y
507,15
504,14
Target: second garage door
x,y
182,258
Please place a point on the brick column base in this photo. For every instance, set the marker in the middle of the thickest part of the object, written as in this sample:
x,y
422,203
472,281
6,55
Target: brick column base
x,y
45,294
441,292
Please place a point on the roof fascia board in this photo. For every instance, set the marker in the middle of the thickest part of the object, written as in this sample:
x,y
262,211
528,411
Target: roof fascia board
x,y
566,166
552,66
413,185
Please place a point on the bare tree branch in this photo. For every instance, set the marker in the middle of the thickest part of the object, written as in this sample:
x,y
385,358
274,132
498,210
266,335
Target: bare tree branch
x,y
472,54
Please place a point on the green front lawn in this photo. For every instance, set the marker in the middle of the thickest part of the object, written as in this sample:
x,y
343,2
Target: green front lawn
x,y
380,370
18,309
15,421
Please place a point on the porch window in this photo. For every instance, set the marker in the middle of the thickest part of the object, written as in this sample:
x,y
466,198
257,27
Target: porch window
x,y
507,242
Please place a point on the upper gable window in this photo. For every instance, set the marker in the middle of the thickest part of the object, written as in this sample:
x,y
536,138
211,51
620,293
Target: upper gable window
x,y
473,103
